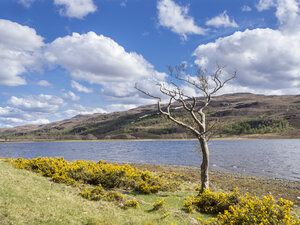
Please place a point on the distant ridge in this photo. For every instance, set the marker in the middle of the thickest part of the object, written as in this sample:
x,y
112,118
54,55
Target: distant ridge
x,y
259,111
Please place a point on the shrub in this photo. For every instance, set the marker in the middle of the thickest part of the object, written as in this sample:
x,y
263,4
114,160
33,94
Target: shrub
x,y
144,188
95,194
211,202
159,204
131,203
97,173
248,210
114,196
252,210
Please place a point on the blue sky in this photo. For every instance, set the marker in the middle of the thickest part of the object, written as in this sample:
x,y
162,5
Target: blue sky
x,y
61,58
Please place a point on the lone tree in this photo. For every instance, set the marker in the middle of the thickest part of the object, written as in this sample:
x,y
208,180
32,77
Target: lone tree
x,y
197,124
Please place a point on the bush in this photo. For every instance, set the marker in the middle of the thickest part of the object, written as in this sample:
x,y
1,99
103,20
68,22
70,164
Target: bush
x,y
131,203
144,188
252,210
95,194
159,204
97,173
211,202
235,209
114,196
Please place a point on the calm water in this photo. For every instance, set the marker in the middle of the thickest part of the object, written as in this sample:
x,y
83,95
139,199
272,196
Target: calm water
x,y
267,158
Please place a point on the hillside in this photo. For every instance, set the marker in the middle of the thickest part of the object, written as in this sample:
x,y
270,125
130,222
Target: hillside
x,y
243,114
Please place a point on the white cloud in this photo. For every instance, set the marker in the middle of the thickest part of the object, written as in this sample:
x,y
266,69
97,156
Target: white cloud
x,y
76,8
100,60
80,87
119,107
246,8
288,14
30,110
19,121
82,110
41,103
267,60
26,3
176,18
44,83
70,95
265,4
221,20
19,52
39,121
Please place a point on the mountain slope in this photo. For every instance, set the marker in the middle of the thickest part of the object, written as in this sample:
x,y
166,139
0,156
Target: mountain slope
x,y
240,114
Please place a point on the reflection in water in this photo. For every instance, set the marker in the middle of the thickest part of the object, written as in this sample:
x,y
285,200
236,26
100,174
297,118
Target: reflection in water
x,y
268,158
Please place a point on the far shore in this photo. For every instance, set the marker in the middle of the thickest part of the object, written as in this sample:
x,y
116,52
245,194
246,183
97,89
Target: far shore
x,y
244,137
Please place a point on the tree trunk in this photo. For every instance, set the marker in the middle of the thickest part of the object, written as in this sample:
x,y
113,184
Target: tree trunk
x,y
205,163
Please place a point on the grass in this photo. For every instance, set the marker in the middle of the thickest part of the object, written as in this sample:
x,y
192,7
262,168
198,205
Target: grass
x,y
26,198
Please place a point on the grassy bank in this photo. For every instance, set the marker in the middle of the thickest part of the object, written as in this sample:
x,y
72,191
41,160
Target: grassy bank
x,y
26,198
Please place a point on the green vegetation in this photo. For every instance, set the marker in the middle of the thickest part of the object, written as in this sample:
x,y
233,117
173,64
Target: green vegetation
x,y
101,174
256,126
212,202
236,209
30,199
252,210
131,203
159,204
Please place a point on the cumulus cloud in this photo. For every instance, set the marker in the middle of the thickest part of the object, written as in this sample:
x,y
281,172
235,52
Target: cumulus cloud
x,y
100,60
80,87
176,18
19,52
76,8
44,83
266,59
288,14
41,103
70,95
31,109
221,20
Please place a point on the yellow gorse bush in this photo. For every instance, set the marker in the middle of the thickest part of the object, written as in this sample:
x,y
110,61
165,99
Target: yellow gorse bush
x,y
131,203
95,194
107,175
114,196
212,202
159,204
252,210
235,209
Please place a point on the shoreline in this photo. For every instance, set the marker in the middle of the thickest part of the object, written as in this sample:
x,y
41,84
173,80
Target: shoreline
x,y
163,139
227,181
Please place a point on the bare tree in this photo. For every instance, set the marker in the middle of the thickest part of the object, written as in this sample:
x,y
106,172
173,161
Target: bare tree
x,y
207,86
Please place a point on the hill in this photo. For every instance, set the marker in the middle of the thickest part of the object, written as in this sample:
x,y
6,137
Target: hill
x,y
241,115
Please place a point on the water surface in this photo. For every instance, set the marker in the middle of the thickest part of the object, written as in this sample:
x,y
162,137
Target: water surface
x,y
278,158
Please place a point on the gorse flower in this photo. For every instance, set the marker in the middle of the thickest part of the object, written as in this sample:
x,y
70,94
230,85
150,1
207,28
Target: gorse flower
x,y
107,175
235,209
